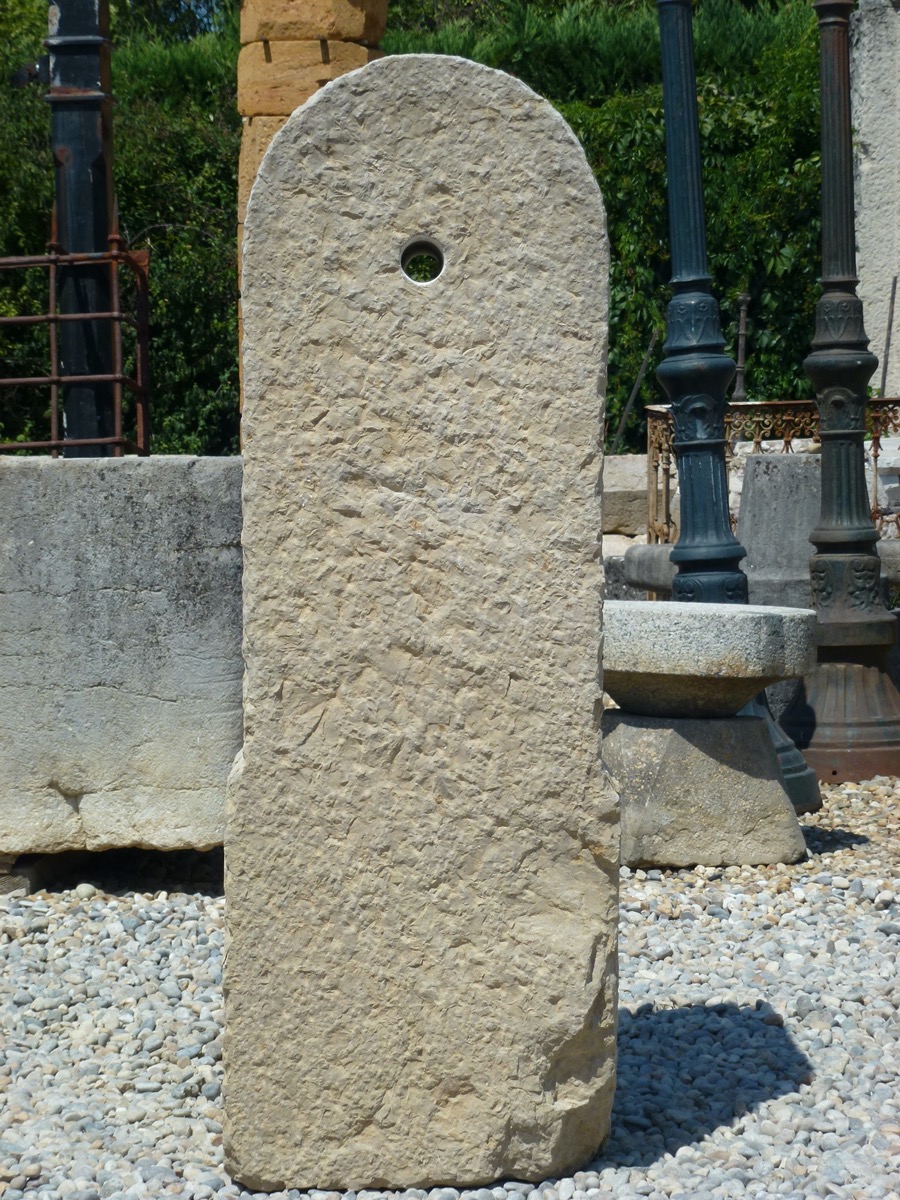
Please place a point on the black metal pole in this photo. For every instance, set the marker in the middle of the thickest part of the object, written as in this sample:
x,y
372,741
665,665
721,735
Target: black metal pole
x,y
82,152
696,372
739,395
847,717
695,375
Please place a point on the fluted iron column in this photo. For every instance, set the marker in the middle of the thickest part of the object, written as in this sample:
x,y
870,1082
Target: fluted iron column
x,y
846,718
695,375
696,372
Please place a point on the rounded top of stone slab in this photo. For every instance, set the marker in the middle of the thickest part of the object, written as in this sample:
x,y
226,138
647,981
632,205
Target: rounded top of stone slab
x,y
700,660
421,149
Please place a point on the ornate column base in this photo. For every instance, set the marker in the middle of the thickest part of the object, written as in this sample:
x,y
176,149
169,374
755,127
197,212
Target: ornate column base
x,y
846,721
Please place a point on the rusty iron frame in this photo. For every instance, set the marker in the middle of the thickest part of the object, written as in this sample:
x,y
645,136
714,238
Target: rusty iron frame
x,y
117,256
775,420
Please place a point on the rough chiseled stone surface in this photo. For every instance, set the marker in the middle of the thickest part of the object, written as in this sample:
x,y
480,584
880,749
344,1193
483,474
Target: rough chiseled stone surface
x,y
758,1051
699,791
255,139
700,660
120,634
780,505
421,849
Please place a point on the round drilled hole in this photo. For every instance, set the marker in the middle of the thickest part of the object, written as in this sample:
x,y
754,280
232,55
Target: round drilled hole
x,y
422,261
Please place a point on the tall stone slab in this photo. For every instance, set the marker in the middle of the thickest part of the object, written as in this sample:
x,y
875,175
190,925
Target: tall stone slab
x,y
421,844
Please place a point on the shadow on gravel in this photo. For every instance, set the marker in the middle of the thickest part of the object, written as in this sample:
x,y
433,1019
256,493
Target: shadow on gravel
x,y
826,841
121,871
685,1072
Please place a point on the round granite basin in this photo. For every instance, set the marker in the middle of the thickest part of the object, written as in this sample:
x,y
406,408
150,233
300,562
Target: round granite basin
x,y
667,659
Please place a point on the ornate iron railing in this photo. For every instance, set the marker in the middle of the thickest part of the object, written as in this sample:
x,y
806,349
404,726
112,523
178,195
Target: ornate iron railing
x,y
774,421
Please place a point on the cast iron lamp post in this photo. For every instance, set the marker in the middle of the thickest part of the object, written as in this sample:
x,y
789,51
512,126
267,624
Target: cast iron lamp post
x,y
846,718
696,372
81,105
695,375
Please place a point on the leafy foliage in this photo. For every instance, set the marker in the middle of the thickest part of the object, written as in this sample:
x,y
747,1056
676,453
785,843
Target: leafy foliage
x,y
26,195
758,102
169,20
177,140
177,137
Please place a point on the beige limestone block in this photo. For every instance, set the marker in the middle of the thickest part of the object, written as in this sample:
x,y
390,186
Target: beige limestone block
x,y
299,20
255,138
421,843
274,78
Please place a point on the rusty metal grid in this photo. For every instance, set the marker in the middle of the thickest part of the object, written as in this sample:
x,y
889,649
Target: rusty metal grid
x,y
774,420
117,256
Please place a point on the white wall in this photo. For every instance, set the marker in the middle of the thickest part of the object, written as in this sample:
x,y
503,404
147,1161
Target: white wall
x,y
875,81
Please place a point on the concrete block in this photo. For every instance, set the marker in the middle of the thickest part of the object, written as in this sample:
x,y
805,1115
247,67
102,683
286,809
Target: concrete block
x,y
779,509
120,666
274,78
625,494
699,791
422,849
650,568
300,20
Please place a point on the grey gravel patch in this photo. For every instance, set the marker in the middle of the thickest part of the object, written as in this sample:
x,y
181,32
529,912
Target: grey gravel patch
x,y
759,1048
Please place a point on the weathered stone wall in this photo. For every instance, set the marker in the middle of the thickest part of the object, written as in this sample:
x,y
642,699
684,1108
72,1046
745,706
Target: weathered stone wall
x,y
120,665
875,79
421,845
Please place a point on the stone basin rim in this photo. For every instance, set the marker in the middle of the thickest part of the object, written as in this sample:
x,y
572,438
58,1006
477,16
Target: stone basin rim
x,y
691,641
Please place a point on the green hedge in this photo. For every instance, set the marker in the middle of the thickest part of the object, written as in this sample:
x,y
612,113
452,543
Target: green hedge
x,y
177,137
758,102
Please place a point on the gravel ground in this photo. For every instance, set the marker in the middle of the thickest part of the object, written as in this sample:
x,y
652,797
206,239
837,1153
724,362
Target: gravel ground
x,y
758,1045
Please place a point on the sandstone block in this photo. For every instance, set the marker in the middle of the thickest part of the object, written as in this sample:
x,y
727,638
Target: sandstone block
x,y
422,846
274,78
699,791
255,138
299,20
